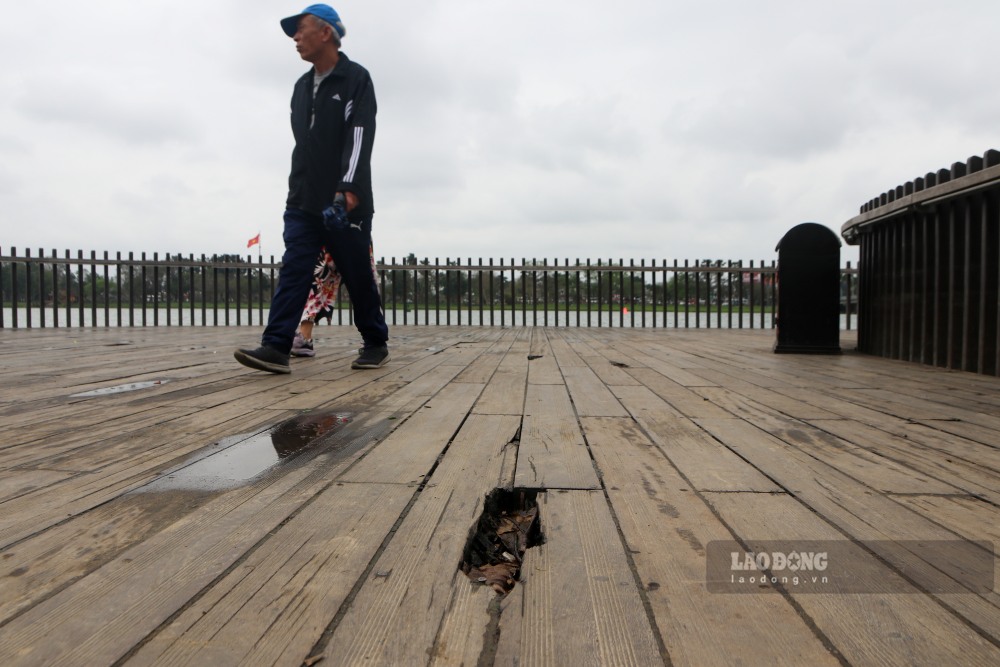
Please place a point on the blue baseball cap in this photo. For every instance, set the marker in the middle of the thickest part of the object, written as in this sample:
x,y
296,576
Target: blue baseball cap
x,y
325,12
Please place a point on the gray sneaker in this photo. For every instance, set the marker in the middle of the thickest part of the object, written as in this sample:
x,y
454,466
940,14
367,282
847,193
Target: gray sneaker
x,y
302,347
371,356
264,358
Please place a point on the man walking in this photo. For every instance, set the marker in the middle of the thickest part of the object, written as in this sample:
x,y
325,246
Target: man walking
x,y
329,193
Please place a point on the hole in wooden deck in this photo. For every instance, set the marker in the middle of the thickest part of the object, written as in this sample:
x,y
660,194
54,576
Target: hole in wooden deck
x,y
508,526
250,457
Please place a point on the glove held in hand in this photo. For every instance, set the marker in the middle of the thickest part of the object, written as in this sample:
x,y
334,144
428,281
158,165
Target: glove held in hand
x,y
335,217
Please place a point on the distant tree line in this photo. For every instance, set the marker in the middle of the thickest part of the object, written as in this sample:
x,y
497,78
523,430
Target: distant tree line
x,y
218,280
707,282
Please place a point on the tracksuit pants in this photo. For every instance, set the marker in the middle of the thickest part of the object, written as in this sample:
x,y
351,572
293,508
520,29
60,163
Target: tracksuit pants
x,y
351,250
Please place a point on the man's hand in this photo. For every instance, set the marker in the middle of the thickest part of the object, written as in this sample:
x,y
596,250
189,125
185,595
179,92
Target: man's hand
x,y
352,200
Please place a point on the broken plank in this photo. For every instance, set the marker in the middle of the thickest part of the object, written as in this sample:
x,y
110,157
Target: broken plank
x,y
577,603
399,609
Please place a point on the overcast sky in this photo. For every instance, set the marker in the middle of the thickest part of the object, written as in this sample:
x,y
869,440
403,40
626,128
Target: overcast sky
x,y
655,129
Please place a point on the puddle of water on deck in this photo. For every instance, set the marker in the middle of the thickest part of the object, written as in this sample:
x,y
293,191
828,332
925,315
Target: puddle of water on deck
x,y
251,456
117,389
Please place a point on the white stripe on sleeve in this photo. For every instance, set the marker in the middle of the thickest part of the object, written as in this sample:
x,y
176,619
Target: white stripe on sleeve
x,y
352,166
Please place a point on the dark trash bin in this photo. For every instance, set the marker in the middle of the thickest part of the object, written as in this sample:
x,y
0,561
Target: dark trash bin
x,y
808,315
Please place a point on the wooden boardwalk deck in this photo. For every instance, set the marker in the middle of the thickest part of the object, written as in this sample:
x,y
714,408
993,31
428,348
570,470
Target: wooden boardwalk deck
x,y
135,528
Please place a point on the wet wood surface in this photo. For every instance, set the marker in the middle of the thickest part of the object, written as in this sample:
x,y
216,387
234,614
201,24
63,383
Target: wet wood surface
x,y
161,504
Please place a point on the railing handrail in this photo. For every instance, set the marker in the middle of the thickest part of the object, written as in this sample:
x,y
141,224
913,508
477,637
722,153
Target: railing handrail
x,y
964,178
714,266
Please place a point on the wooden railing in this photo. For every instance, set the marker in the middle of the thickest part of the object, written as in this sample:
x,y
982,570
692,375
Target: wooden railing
x,y
930,268
67,291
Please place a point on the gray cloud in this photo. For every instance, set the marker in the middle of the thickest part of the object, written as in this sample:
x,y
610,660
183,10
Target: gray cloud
x,y
563,129
132,118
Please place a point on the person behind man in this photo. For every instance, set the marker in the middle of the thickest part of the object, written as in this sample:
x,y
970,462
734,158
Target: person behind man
x,y
329,193
321,302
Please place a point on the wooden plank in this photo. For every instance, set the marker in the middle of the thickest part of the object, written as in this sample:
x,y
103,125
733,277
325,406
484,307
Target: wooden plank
x,y
670,362
866,628
504,393
972,518
505,389
274,606
134,437
641,402
100,532
666,526
577,603
564,353
543,368
102,616
415,370
461,640
155,450
351,394
975,393
45,416
909,407
589,394
860,513
707,464
485,365
74,442
26,480
417,390
902,464
974,432
590,397
407,455
603,360
306,394
878,472
842,408
611,371
552,454
683,399
49,560
398,611
979,449
37,510
742,396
